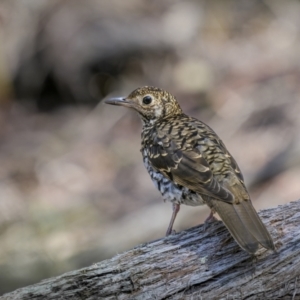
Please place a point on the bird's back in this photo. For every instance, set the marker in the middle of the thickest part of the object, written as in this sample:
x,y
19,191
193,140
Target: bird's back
x,y
187,134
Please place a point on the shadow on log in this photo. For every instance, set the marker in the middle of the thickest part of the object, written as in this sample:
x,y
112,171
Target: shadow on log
x,y
193,264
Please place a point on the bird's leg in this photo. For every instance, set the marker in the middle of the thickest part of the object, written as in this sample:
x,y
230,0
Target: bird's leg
x,y
176,208
210,218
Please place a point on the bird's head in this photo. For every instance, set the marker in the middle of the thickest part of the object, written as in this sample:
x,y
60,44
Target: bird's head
x,y
151,103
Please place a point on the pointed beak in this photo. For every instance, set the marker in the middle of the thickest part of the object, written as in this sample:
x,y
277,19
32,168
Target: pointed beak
x,y
118,101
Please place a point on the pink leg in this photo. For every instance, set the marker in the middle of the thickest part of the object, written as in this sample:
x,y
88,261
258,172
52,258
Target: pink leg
x,y
176,208
210,218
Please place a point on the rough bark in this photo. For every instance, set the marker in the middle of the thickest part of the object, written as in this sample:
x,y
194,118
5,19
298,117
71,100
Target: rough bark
x,y
194,264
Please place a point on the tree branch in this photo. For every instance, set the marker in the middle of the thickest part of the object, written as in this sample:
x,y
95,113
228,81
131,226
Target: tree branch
x,y
194,264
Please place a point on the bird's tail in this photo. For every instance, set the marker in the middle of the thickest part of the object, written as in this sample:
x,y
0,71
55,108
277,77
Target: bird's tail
x,y
244,224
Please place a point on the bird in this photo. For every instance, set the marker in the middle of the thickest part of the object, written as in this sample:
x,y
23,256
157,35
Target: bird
x,y
189,164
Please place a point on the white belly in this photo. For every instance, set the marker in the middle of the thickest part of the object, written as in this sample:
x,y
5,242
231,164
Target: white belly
x,y
171,191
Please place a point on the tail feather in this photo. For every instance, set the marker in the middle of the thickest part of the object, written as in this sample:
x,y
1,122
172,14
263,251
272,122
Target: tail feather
x,y
244,224
255,225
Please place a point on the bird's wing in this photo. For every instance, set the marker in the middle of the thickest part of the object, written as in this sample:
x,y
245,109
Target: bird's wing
x,y
214,139
187,168
233,163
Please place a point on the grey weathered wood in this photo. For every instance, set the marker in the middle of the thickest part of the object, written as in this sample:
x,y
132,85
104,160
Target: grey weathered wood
x,y
194,264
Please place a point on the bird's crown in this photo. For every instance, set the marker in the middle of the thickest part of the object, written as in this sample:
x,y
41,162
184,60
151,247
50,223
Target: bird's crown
x,y
151,103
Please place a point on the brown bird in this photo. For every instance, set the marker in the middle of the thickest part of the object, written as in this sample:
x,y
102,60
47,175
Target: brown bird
x,y
189,164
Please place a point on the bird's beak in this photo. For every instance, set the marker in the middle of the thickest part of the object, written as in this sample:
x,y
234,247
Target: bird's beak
x,y
118,101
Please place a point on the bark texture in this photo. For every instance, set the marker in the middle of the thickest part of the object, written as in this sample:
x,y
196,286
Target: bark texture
x,y
193,264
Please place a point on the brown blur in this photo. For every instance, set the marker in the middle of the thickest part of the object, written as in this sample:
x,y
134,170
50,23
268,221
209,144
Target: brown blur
x,y
73,189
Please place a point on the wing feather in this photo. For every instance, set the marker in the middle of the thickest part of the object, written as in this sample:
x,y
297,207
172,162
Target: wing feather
x,y
187,168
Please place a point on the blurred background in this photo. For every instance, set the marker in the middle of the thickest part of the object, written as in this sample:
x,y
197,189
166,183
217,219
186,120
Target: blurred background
x,y
73,189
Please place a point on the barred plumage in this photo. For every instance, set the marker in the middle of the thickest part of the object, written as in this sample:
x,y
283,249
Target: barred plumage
x,y
190,165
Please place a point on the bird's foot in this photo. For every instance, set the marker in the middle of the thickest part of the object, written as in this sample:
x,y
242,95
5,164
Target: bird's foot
x,y
170,232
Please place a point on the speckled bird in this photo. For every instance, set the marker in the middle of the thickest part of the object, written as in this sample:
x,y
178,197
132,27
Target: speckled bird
x,y
189,164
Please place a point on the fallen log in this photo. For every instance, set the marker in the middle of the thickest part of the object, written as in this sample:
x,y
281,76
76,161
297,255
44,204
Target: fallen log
x,y
199,263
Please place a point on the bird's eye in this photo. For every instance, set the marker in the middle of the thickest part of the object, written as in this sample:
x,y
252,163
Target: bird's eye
x,y
147,100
